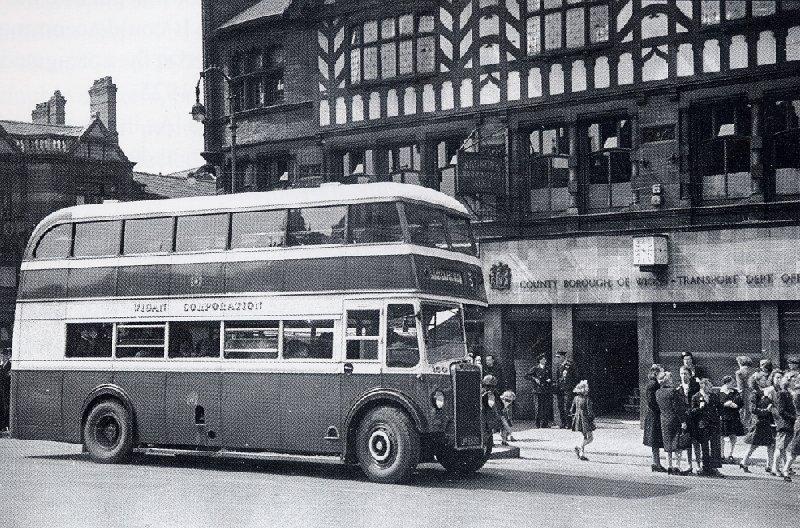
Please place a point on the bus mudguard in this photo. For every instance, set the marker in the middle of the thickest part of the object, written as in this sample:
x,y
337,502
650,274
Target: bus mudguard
x,y
106,390
375,398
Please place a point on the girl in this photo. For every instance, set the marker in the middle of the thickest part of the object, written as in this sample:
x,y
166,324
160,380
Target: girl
x,y
507,416
793,448
582,417
731,422
761,432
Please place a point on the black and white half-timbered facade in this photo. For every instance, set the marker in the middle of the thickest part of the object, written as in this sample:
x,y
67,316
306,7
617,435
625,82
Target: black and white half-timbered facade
x,y
634,164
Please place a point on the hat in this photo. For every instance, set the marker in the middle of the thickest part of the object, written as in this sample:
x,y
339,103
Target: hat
x,y
687,353
581,387
508,396
489,380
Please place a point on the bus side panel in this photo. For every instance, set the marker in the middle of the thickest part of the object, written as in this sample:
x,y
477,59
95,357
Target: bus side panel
x,y
146,391
78,385
304,424
37,404
251,410
380,273
192,405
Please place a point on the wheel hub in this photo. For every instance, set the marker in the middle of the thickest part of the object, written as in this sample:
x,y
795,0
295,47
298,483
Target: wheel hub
x,y
107,432
380,445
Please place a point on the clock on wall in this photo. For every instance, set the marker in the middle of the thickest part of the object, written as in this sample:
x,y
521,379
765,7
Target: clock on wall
x,y
650,251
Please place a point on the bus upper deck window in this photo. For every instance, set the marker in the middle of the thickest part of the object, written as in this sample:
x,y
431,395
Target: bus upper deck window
x,y
258,229
148,235
461,234
317,225
372,223
426,226
97,239
202,233
56,243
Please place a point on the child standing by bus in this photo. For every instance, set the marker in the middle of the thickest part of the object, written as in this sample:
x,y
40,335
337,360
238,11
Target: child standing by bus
x,y
582,417
507,416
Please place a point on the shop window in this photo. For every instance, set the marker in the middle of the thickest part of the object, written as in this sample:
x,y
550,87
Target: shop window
x,y
148,235
362,335
722,149
97,239
201,233
193,339
569,24
402,344
258,229
548,171
252,339
405,164
608,163
400,45
89,340
446,164
317,225
308,339
373,223
782,130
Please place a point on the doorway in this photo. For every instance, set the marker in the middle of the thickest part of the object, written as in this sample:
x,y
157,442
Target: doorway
x,y
607,356
531,332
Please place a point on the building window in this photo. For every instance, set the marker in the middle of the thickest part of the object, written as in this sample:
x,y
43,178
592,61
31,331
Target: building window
x,y
270,173
358,166
608,163
400,45
549,169
782,132
405,164
447,164
556,24
721,158
257,78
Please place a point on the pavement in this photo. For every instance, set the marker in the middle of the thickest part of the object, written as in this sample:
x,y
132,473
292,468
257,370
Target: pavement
x,y
616,441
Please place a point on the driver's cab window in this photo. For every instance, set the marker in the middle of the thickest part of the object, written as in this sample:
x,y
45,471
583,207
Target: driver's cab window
x,y
362,334
402,345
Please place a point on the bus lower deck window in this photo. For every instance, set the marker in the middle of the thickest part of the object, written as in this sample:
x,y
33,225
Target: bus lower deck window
x,y
89,340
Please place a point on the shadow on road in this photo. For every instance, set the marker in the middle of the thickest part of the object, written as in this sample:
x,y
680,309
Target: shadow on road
x,y
427,476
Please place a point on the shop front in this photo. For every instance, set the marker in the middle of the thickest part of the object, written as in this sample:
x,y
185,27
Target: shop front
x,y
616,304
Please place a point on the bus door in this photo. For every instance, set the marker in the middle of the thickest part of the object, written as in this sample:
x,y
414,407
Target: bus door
x,y
362,349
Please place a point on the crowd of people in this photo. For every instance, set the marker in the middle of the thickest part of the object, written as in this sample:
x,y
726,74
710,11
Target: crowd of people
x,y
689,415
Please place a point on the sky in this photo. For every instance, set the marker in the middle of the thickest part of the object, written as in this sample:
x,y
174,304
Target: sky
x,y
151,48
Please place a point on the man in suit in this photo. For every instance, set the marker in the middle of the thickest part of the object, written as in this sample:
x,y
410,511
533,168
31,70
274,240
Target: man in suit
x,y
705,413
698,371
688,388
564,383
542,387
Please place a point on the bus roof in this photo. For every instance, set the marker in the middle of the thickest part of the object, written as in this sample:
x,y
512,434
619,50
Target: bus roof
x,y
326,194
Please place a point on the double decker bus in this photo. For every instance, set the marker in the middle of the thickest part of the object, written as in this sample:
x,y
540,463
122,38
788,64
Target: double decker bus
x,y
324,321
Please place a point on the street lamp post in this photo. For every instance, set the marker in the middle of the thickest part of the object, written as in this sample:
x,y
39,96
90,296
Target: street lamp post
x,y
199,114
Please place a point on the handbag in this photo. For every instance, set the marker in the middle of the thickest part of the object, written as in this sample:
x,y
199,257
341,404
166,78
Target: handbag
x,y
683,440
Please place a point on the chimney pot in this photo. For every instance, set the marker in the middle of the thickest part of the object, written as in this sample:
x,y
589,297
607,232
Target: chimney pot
x,y
103,103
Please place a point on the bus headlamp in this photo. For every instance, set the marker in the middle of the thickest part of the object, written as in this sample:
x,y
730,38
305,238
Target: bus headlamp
x,y
438,399
490,399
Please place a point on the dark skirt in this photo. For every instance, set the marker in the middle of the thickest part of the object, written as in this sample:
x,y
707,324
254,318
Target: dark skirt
x,y
760,434
670,433
731,423
653,436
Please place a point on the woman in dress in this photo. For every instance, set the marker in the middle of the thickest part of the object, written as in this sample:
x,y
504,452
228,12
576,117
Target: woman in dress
x,y
761,431
793,447
672,410
652,420
731,425
582,417
784,415
743,374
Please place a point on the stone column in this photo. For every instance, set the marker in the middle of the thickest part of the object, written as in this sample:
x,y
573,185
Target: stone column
x,y
562,338
572,185
648,355
756,162
770,332
496,342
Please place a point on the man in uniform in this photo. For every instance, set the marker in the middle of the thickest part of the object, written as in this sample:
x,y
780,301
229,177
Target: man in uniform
x,y
565,382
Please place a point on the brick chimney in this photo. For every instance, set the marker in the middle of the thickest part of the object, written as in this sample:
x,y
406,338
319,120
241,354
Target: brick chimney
x,y
103,103
51,112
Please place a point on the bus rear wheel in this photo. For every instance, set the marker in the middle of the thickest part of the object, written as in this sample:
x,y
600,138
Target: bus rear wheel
x,y
108,433
464,462
387,445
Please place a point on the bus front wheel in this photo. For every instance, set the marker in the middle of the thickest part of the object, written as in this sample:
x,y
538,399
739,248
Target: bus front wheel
x,y
108,433
387,445
464,462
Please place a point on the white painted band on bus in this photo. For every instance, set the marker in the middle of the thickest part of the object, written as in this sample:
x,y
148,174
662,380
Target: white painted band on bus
x,y
249,255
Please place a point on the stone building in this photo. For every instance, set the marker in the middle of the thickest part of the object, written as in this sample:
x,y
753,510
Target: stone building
x,y
46,165
634,165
